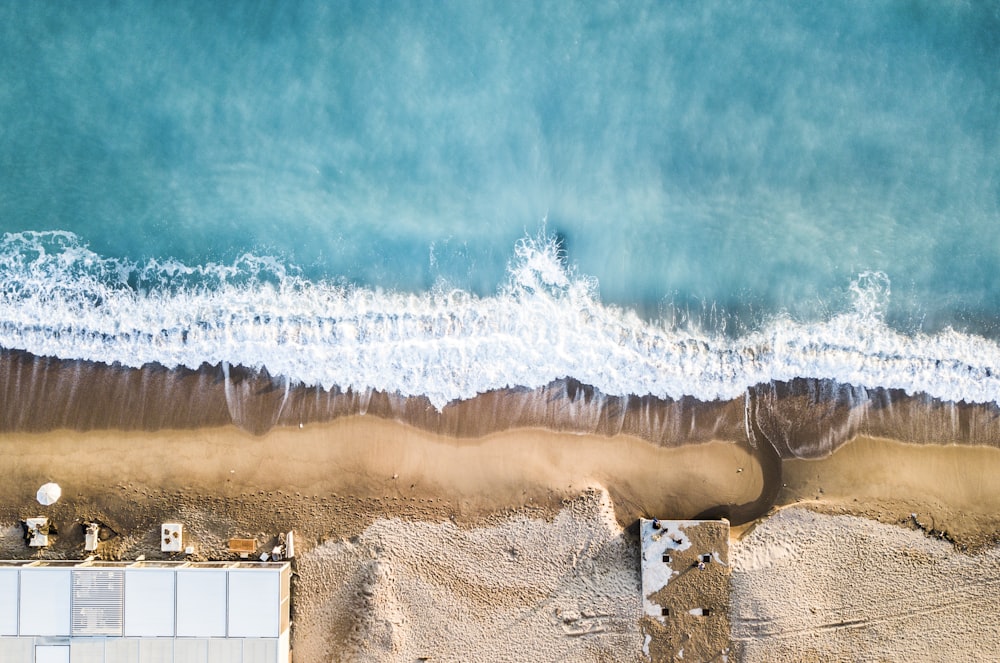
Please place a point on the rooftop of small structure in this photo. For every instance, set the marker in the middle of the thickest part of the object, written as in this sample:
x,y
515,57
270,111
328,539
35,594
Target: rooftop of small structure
x,y
685,588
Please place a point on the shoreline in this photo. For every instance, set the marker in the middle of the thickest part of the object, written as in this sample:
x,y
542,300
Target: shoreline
x,y
799,418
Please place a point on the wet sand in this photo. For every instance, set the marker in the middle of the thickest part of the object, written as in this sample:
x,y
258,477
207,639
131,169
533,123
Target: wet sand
x,y
800,418
370,457
954,490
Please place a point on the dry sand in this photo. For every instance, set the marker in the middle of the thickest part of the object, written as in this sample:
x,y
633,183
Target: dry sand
x,y
521,589
813,587
515,546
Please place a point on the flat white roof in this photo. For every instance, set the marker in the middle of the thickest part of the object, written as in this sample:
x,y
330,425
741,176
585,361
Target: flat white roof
x,y
146,650
45,600
9,578
214,600
149,602
201,603
254,604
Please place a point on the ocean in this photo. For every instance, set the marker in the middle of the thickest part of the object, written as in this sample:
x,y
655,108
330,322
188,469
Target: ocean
x,y
440,200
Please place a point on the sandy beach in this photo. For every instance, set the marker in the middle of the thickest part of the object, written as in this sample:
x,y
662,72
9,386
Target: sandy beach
x,y
374,459
953,490
570,332
413,544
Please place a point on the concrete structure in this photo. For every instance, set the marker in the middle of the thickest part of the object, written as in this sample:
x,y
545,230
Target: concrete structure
x,y
172,535
38,532
144,612
685,588
92,536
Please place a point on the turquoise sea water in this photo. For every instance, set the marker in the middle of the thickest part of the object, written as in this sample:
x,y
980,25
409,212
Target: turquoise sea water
x,y
443,198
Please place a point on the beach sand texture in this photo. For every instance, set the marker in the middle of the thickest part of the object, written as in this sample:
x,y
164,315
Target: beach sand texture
x,y
459,291
372,461
415,544
813,587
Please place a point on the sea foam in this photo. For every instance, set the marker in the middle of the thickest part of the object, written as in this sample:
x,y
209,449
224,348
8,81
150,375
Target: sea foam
x,y
546,322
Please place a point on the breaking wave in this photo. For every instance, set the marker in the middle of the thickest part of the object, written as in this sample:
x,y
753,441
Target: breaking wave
x,y
546,322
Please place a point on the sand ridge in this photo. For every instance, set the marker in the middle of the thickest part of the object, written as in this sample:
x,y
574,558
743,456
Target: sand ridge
x,y
522,589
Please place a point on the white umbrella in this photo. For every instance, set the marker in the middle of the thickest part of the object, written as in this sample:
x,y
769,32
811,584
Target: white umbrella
x,y
49,494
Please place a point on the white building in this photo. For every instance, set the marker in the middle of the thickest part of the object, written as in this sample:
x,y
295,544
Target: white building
x,y
144,612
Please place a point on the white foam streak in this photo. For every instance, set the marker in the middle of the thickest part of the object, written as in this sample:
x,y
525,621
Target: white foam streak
x,y
59,299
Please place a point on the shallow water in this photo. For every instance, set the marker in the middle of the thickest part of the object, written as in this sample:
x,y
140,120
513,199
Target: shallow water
x,y
352,197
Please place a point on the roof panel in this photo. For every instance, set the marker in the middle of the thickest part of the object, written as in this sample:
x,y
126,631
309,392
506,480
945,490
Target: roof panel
x,y
260,651
45,601
17,650
191,651
98,600
225,651
121,650
86,650
201,603
160,650
149,602
8,601
254,602
52,654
